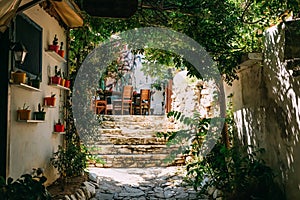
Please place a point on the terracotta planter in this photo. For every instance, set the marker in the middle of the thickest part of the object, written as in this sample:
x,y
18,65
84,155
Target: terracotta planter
x,y
55,80
67,83
19,77
59,128
39,115
53,48
61,53
23,114
49,101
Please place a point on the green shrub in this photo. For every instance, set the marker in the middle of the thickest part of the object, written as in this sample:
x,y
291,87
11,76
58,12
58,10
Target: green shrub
x,y
70,161
239,172
27,187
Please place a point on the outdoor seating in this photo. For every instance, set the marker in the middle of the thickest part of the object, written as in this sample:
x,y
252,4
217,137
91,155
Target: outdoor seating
x,y
99,103
125,103
100,106
142,102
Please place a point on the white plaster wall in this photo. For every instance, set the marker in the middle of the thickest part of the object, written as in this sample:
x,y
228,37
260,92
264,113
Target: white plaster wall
x,y
266,104
32,144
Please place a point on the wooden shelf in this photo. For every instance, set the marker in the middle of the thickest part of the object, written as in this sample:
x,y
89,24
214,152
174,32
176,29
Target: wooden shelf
x,y
55,56
32,121
27,87
62,133
46,106
59,86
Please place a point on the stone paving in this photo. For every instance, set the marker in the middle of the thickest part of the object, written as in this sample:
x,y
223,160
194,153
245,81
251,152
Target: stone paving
x,y
142,184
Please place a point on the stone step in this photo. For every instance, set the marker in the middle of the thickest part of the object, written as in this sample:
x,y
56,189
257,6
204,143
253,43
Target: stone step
x,y
128,132
110,149
141,125
134,118
123,140
138,161
130,141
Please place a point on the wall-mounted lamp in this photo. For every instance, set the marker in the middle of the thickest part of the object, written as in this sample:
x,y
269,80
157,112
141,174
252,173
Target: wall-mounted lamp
x,y
19,51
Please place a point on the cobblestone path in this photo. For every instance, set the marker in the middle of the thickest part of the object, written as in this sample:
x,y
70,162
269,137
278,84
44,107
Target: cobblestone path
x,y
141,184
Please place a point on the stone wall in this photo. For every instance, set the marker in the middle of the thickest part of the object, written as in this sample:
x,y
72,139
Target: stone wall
x,y
266,110
191,95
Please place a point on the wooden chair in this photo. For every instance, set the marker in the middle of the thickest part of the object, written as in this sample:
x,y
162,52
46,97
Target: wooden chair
x,y
143,103
100,103
125,103
100,106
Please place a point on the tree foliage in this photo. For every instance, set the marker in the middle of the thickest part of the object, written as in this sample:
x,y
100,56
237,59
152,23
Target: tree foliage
x,y
226,29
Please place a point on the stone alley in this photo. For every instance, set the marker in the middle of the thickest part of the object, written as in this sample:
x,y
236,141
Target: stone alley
x,y
141,184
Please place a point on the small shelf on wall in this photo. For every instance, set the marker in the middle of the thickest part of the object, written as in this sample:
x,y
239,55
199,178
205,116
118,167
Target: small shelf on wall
x,y
59,86
55,56
47,106
62,133
26,87
31,121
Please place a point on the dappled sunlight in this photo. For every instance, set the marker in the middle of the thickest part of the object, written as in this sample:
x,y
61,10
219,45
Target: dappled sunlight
x,y
274,123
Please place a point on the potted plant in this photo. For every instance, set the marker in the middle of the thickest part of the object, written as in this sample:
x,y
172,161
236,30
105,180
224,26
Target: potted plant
x,y
57,78
54,46
35,82
49,101
67,82
19,77
59,127
40,114
23,113
61,52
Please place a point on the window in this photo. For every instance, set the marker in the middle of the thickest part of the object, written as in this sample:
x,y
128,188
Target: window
x,y
30,34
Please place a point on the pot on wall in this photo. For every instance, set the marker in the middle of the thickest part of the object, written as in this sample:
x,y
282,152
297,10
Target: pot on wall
x,y
19,77
55,80
62,82
61,53
35,83
67,83
59,128
53,48
49,101
39,115
23,114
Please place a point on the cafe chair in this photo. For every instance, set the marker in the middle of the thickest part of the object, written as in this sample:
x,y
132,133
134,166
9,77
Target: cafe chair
x,y
100,106
142,105
125,103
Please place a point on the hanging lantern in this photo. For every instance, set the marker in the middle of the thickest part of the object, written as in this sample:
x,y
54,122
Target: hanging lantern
x,y
19,52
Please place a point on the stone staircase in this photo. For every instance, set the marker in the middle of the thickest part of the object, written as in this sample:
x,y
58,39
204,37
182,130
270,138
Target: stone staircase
x,y
130,141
